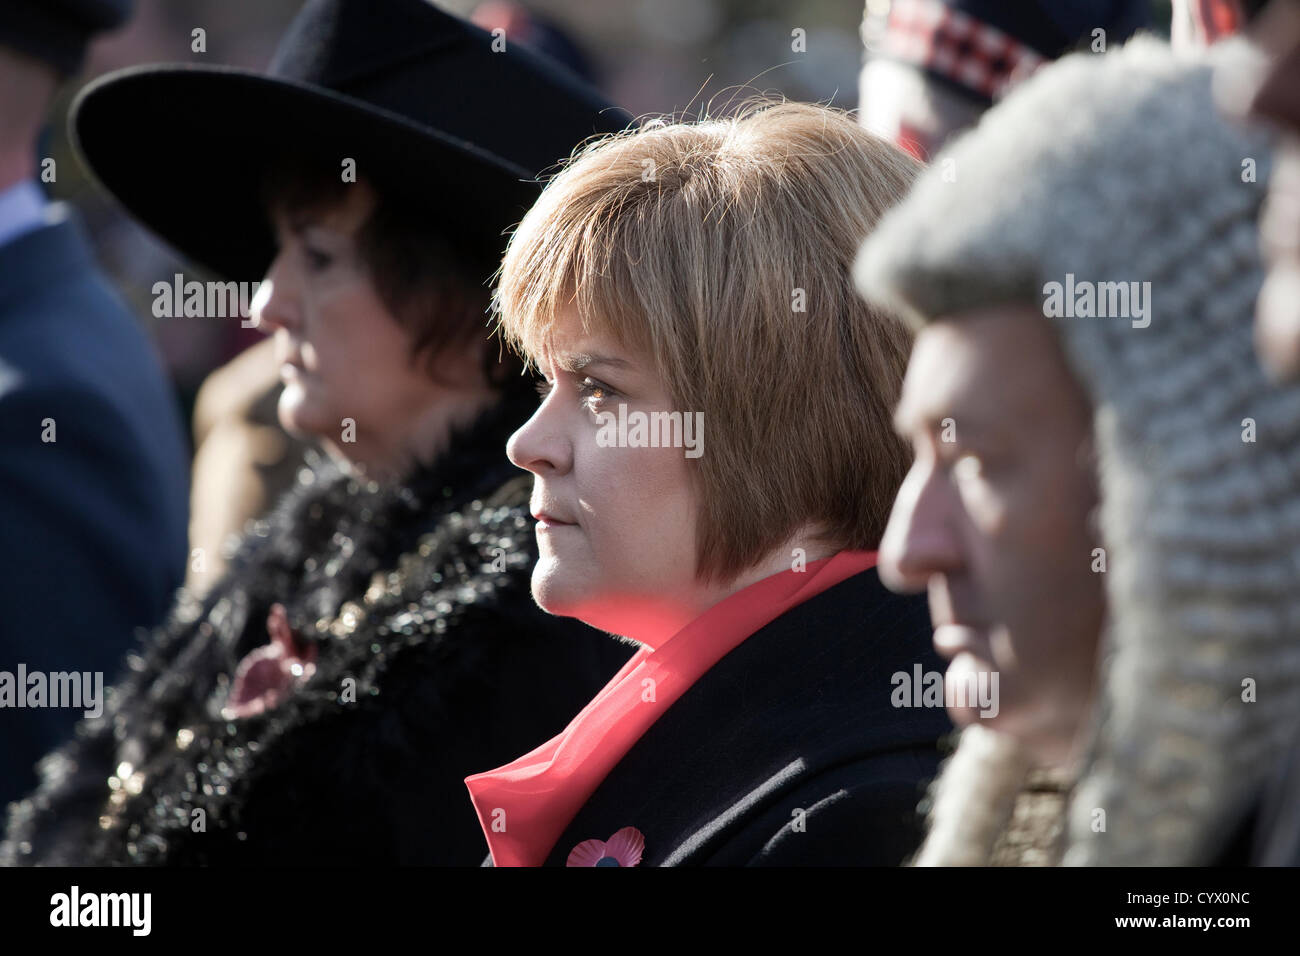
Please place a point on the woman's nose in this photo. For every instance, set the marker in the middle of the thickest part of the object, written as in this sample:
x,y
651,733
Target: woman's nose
x,y
538,445
275,304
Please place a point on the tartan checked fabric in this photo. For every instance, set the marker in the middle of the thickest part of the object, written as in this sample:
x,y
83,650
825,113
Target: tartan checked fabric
x,y
952,43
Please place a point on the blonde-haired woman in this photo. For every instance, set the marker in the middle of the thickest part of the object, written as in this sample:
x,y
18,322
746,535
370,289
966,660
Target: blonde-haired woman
x,y
714,463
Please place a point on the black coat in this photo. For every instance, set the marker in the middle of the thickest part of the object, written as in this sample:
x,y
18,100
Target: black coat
x,y
454,668
797,718
1264,828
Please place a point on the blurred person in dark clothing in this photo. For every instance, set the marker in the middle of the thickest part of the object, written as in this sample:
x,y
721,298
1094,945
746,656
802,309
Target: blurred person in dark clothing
x,y
374,640
93,475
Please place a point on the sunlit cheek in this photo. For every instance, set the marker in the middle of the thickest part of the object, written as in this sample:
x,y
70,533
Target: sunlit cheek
x,y
636,510
670,518
982,499
363,367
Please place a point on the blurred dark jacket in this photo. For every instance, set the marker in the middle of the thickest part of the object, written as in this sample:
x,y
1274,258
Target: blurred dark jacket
x,y
93,522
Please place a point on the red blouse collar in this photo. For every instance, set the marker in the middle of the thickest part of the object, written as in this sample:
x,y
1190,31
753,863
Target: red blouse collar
x,y
526,805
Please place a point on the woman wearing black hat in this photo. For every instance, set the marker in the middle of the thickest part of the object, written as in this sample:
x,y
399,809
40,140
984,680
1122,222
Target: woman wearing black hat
x,y
375,639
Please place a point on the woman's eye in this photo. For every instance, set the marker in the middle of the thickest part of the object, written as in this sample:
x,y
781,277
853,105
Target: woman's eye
x,y
317,260
593,391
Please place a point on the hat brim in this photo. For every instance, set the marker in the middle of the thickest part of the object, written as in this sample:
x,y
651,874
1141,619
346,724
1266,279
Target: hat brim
x,y
185,148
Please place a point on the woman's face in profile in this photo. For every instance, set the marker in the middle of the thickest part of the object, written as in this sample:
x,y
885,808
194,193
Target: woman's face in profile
x,y
616,525
343,357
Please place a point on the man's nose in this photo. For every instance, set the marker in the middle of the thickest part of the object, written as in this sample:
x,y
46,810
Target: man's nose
x,y
919,540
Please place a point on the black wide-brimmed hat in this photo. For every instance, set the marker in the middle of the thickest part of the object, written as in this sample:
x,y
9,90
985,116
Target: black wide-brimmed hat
x,y
452,120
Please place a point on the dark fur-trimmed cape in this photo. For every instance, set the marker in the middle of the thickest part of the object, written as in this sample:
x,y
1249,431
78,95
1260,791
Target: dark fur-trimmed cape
x,y
433,663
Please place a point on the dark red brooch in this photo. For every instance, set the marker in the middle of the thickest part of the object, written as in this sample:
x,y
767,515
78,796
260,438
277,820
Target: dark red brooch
x,y
267,674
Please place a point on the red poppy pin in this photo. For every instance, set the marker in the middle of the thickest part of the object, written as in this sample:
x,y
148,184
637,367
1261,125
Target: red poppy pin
x,y
267,674
624,848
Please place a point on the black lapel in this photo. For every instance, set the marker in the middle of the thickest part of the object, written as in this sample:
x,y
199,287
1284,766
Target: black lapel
x,y
809,691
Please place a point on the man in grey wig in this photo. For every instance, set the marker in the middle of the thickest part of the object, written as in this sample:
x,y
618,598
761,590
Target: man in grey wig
x,y
1105,506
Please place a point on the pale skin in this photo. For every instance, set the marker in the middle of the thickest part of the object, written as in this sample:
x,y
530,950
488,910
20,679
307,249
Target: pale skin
x,y
996,523
616,528
344,356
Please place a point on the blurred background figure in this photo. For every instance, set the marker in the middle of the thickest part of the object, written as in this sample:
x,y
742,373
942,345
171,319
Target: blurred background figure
x,y
93,471
933,66
538,32
1271,94
1200,23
